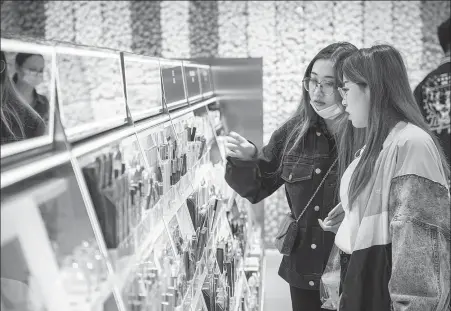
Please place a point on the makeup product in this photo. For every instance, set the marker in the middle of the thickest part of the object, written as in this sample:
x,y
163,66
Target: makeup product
x,y
117,166
228,296
220,257
202,147
193,134
229,275
192,210
201,242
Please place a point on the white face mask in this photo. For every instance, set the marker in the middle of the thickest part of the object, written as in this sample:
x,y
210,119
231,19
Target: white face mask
x,y
33,80
330,112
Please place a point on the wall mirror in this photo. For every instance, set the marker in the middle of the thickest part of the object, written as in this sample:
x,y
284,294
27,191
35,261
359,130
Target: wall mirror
x,y
28,96
143,86
90,91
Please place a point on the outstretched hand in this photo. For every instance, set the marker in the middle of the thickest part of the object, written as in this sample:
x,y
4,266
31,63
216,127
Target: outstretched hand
x,y
239,147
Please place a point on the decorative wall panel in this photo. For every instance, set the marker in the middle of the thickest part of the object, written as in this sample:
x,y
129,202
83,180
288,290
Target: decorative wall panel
x,y
291,62
232,29
262,43
60,21
146,27
348,22
203,28
407,36
10,17
117,25
377,22
175,29
88,22
319,25
26,18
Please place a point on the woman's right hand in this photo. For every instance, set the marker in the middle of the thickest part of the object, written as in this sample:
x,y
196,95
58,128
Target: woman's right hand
x,y
239,147
333,220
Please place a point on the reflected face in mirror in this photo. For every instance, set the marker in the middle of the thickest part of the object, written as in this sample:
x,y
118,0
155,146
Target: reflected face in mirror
x,y
30,69
25,107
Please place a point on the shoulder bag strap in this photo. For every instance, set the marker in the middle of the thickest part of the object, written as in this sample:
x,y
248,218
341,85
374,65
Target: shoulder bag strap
x,y
317,189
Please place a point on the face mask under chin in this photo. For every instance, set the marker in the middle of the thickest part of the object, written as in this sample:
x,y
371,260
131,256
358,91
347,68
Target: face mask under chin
x,y
330,112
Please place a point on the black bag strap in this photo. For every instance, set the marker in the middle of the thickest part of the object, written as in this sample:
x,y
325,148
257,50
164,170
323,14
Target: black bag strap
x,y
317,189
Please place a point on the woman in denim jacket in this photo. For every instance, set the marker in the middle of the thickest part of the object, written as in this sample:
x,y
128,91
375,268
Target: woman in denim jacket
x,y
298,155
396,229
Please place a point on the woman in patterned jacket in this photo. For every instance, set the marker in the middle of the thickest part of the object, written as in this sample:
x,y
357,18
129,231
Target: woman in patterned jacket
x,y
395,236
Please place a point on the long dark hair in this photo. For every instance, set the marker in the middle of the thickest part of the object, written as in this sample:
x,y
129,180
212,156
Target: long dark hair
x,y
305,116
11,105
8,114
382,69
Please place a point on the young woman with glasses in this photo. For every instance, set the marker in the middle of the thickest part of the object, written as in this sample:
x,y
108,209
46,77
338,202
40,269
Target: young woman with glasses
x,y
298,156
395,236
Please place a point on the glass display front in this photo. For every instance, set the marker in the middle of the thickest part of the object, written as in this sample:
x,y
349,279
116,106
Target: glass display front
x,y
192,81
28,96
90,91
206,81
173,85
59,261
143,85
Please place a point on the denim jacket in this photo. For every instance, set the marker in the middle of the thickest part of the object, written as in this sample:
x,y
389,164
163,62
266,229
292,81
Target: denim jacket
x,y
398,230
301,172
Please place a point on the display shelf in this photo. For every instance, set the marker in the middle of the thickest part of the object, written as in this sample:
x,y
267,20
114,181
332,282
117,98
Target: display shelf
x,y
143,251
239,292
104,140
157,226
207,260
198,291
180,112
98,297
20,172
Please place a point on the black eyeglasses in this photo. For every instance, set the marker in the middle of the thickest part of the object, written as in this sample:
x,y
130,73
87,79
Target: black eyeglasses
x,y
326,86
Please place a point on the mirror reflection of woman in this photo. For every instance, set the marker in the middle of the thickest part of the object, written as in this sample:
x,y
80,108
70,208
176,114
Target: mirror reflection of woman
x,y
30,75
18,120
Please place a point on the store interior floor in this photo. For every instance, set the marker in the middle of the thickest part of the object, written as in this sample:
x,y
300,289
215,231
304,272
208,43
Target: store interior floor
x,y
276,290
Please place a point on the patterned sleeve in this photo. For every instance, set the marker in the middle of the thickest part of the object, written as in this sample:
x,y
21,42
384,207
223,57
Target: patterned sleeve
x,y
420,229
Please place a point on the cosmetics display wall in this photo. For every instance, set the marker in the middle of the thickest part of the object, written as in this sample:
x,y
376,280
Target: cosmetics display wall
x,y
133,214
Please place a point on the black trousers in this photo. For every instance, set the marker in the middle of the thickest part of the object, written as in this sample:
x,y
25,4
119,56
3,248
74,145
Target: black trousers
x,y
305,300
344,262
